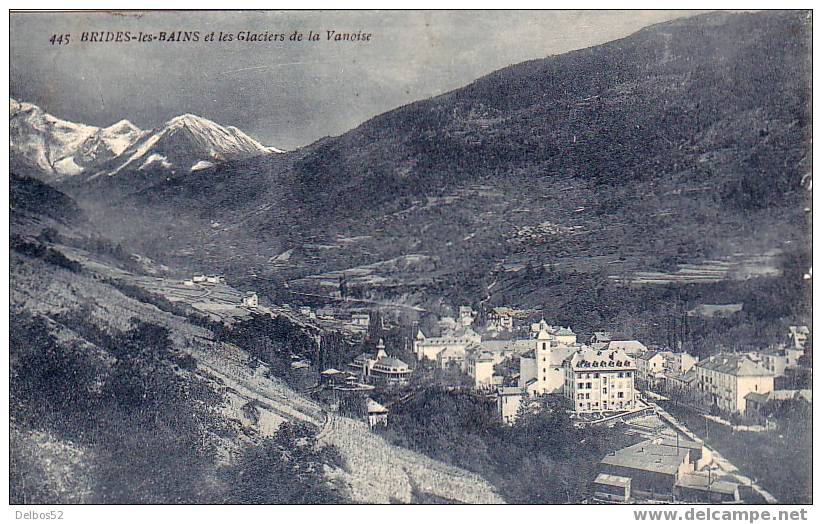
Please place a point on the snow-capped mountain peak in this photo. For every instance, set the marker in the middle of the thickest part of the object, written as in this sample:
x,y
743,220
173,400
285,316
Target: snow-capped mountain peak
x,y
123,126
189,143
185,143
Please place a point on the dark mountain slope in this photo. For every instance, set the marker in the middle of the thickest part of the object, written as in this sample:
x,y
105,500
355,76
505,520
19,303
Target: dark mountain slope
x,y
29,197
683,142
635,108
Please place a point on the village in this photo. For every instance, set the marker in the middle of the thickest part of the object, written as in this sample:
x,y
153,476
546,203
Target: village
x,y
511,359
603,379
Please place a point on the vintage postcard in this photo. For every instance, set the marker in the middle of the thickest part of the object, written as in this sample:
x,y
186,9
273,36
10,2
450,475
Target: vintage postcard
x,y
414,257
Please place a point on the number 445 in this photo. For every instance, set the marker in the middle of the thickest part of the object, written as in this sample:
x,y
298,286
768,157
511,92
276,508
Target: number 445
x,y
61,39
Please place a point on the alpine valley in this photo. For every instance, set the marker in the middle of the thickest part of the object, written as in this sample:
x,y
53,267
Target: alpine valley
x,y
627,184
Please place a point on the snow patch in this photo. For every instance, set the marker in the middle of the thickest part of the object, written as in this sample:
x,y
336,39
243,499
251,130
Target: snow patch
x,y
202,164
67,166
153,159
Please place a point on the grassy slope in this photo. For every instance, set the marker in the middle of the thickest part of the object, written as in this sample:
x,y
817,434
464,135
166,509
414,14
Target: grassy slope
x,y
82,310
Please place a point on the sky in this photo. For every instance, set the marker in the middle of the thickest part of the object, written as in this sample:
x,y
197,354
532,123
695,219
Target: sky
x,y
285,94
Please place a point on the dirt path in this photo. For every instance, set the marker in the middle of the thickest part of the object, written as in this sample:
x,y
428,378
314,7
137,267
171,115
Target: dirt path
x,y
724,464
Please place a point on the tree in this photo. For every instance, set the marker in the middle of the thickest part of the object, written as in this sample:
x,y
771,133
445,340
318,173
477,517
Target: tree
x,y
287,468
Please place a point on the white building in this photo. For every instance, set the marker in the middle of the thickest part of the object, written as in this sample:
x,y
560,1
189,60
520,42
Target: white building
x,y
377,413
799,336
250,300
447,324
632,348
467,315
509,400
777,360
451,358
502,318
361,320
680,362
502,349
544,364
454,342
565,336
650,366
381,369
480,367
600,337
306,312
598,381
725,379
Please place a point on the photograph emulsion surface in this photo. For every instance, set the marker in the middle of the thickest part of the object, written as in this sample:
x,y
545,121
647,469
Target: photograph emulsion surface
x,y
472,257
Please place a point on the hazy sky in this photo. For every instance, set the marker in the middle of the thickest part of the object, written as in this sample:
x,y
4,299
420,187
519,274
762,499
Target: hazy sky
x,y
286,94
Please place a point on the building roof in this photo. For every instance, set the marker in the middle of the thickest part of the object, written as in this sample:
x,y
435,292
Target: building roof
x,y
702,481
451,351
612,480
687,377
542,324
510,390
648,355
627,345
484,357
331,371
601,336
736,365
589,358
681,443
564,332
460,336
361,358
649,456
392,362
512,345
375,407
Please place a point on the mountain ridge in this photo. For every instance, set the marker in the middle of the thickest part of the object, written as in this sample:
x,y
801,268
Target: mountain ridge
x,y
684,142
684,134
62,150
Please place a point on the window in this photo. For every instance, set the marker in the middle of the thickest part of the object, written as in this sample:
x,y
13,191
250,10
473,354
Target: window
x,y
620,395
